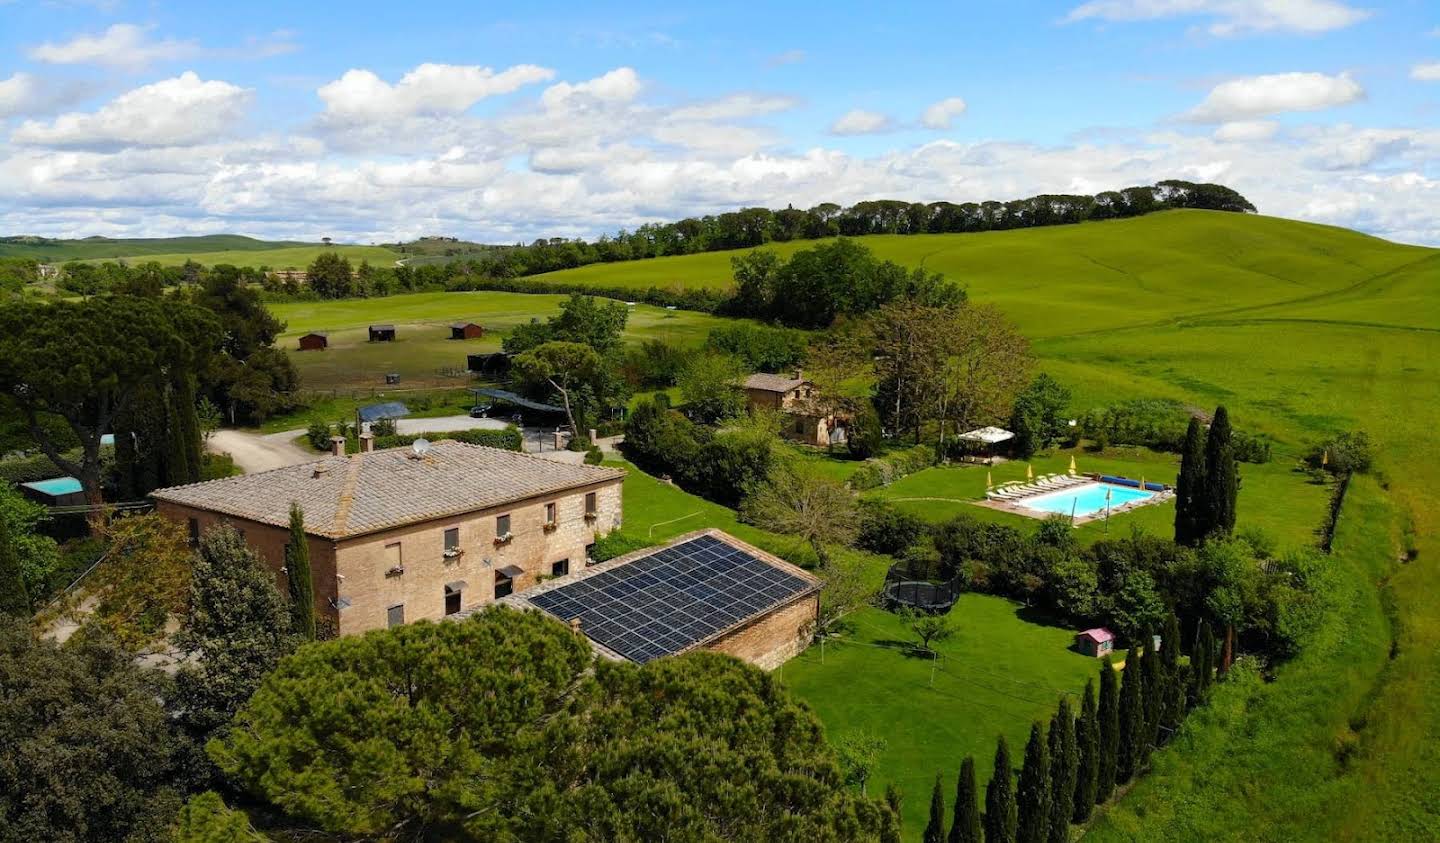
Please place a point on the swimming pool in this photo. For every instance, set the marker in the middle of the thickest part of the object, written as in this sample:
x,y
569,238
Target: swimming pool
x,y
1085,500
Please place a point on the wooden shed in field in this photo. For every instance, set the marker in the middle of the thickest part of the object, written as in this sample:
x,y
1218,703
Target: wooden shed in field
x,y
382,333
314,341
1095,642
466,331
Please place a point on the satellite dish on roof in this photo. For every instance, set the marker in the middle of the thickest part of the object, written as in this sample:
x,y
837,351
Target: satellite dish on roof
x,y
420,447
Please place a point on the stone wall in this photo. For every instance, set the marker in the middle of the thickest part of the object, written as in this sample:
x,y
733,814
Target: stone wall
x,y
775,638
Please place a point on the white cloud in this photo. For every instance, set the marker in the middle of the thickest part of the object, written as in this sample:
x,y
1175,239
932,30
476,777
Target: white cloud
x,y
182,111
734,107
943,113
1276,93
27,94
123,45
787,57
619,85
360,95
1426,72
1247,130
861,122
1231,17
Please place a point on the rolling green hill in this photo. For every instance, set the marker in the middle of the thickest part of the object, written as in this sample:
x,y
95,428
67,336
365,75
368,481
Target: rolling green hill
x,y
1302,331
209,249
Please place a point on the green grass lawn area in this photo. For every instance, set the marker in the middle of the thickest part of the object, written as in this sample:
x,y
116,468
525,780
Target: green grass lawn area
x,y
285,257
1301,331
1275,498
423,404
1001,672
423,352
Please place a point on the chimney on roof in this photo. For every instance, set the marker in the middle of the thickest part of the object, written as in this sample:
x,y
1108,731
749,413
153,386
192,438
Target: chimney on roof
x,y
337,446
367,442
799,373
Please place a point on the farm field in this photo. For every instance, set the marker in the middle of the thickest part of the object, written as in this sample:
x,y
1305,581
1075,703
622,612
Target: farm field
x,y
1302,331
423,348
287,257
90,248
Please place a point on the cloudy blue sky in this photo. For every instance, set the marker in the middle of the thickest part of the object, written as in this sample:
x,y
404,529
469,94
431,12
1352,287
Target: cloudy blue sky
x,y
507,121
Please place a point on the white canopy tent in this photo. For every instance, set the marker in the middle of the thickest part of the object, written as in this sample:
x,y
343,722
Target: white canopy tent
x,y
988,435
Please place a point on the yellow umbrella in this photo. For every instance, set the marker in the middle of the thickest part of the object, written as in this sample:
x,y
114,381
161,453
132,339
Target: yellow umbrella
x,y
988,481
1142,482
1325,458
1029,472
1072,463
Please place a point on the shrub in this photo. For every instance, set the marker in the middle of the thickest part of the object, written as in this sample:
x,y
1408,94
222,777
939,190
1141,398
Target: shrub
x,y
1159,425
318,434
1250,447
865,436
594,456
383,427
39,467
882,471
1349,452
884,528
507,439
616,544
764,348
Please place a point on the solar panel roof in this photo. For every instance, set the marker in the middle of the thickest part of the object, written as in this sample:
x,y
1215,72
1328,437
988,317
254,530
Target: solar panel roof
x,y
672,599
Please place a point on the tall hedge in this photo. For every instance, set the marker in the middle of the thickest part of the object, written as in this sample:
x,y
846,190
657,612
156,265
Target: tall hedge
x,y
1108,722
1063,771
1132,718
1033,796
1222,475
965,828
1000,807
1087,765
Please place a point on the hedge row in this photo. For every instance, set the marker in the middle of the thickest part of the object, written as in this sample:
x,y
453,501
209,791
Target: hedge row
x,y
508,439
882,471
704,300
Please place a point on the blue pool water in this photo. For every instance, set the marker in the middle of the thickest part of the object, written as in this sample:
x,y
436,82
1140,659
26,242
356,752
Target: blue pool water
x,y
1085,500
56,485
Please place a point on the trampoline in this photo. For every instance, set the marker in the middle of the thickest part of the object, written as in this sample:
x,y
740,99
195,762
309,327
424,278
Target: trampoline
x,y
907,589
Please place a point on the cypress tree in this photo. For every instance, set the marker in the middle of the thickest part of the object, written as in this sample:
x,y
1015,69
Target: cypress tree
x,y
297,572
1132,717
1033,796
1108,722
1190,495
1173,710
1063,772
1000,819
1202,664
966,827
935,829
895,801
1154,699
1222,475
1087,744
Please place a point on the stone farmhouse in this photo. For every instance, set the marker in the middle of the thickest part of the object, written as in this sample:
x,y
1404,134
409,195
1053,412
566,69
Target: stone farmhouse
x,y
397,535
797,398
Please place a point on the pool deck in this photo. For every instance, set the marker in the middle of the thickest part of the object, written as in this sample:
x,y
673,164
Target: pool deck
x,y
1017,507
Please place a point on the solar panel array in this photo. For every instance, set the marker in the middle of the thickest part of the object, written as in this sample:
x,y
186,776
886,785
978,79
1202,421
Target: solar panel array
x,y
663,603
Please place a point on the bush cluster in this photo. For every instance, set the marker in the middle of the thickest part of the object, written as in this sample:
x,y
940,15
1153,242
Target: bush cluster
x,y
718,465
1160,425
882,471
507,439
1343,453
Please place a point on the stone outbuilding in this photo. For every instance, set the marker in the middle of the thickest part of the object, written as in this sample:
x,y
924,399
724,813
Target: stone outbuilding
x,y
808,422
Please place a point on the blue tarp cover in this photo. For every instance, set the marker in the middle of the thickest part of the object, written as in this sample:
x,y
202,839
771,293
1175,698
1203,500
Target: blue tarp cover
x,y
518,400
388,410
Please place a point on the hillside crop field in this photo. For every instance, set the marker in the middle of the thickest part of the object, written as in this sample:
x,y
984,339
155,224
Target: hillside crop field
x,y
1302,331
172,251
423,350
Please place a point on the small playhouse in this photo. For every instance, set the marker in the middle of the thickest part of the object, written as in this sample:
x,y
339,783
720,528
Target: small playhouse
x,y
1095,642
466,331
382,333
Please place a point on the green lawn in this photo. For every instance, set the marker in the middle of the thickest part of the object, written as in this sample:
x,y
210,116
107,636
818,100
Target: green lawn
x,y
1001,672
1301,331
136,249
423,352
1275,498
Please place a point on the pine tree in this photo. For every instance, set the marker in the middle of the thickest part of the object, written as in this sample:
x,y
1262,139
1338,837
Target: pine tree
x,y
1222,475
1108,722
1132,718
1087,744
1033,796
966,827
1000,808
1063,771
297,571
1202,664
1154,686
1191,500
935,829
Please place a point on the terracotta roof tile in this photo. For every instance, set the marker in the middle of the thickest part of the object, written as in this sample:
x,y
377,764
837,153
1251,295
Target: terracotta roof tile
x,y
363,493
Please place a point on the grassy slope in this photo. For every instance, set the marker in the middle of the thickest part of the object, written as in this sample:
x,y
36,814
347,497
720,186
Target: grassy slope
x,y
92,248
1301,330
284,257
423,347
